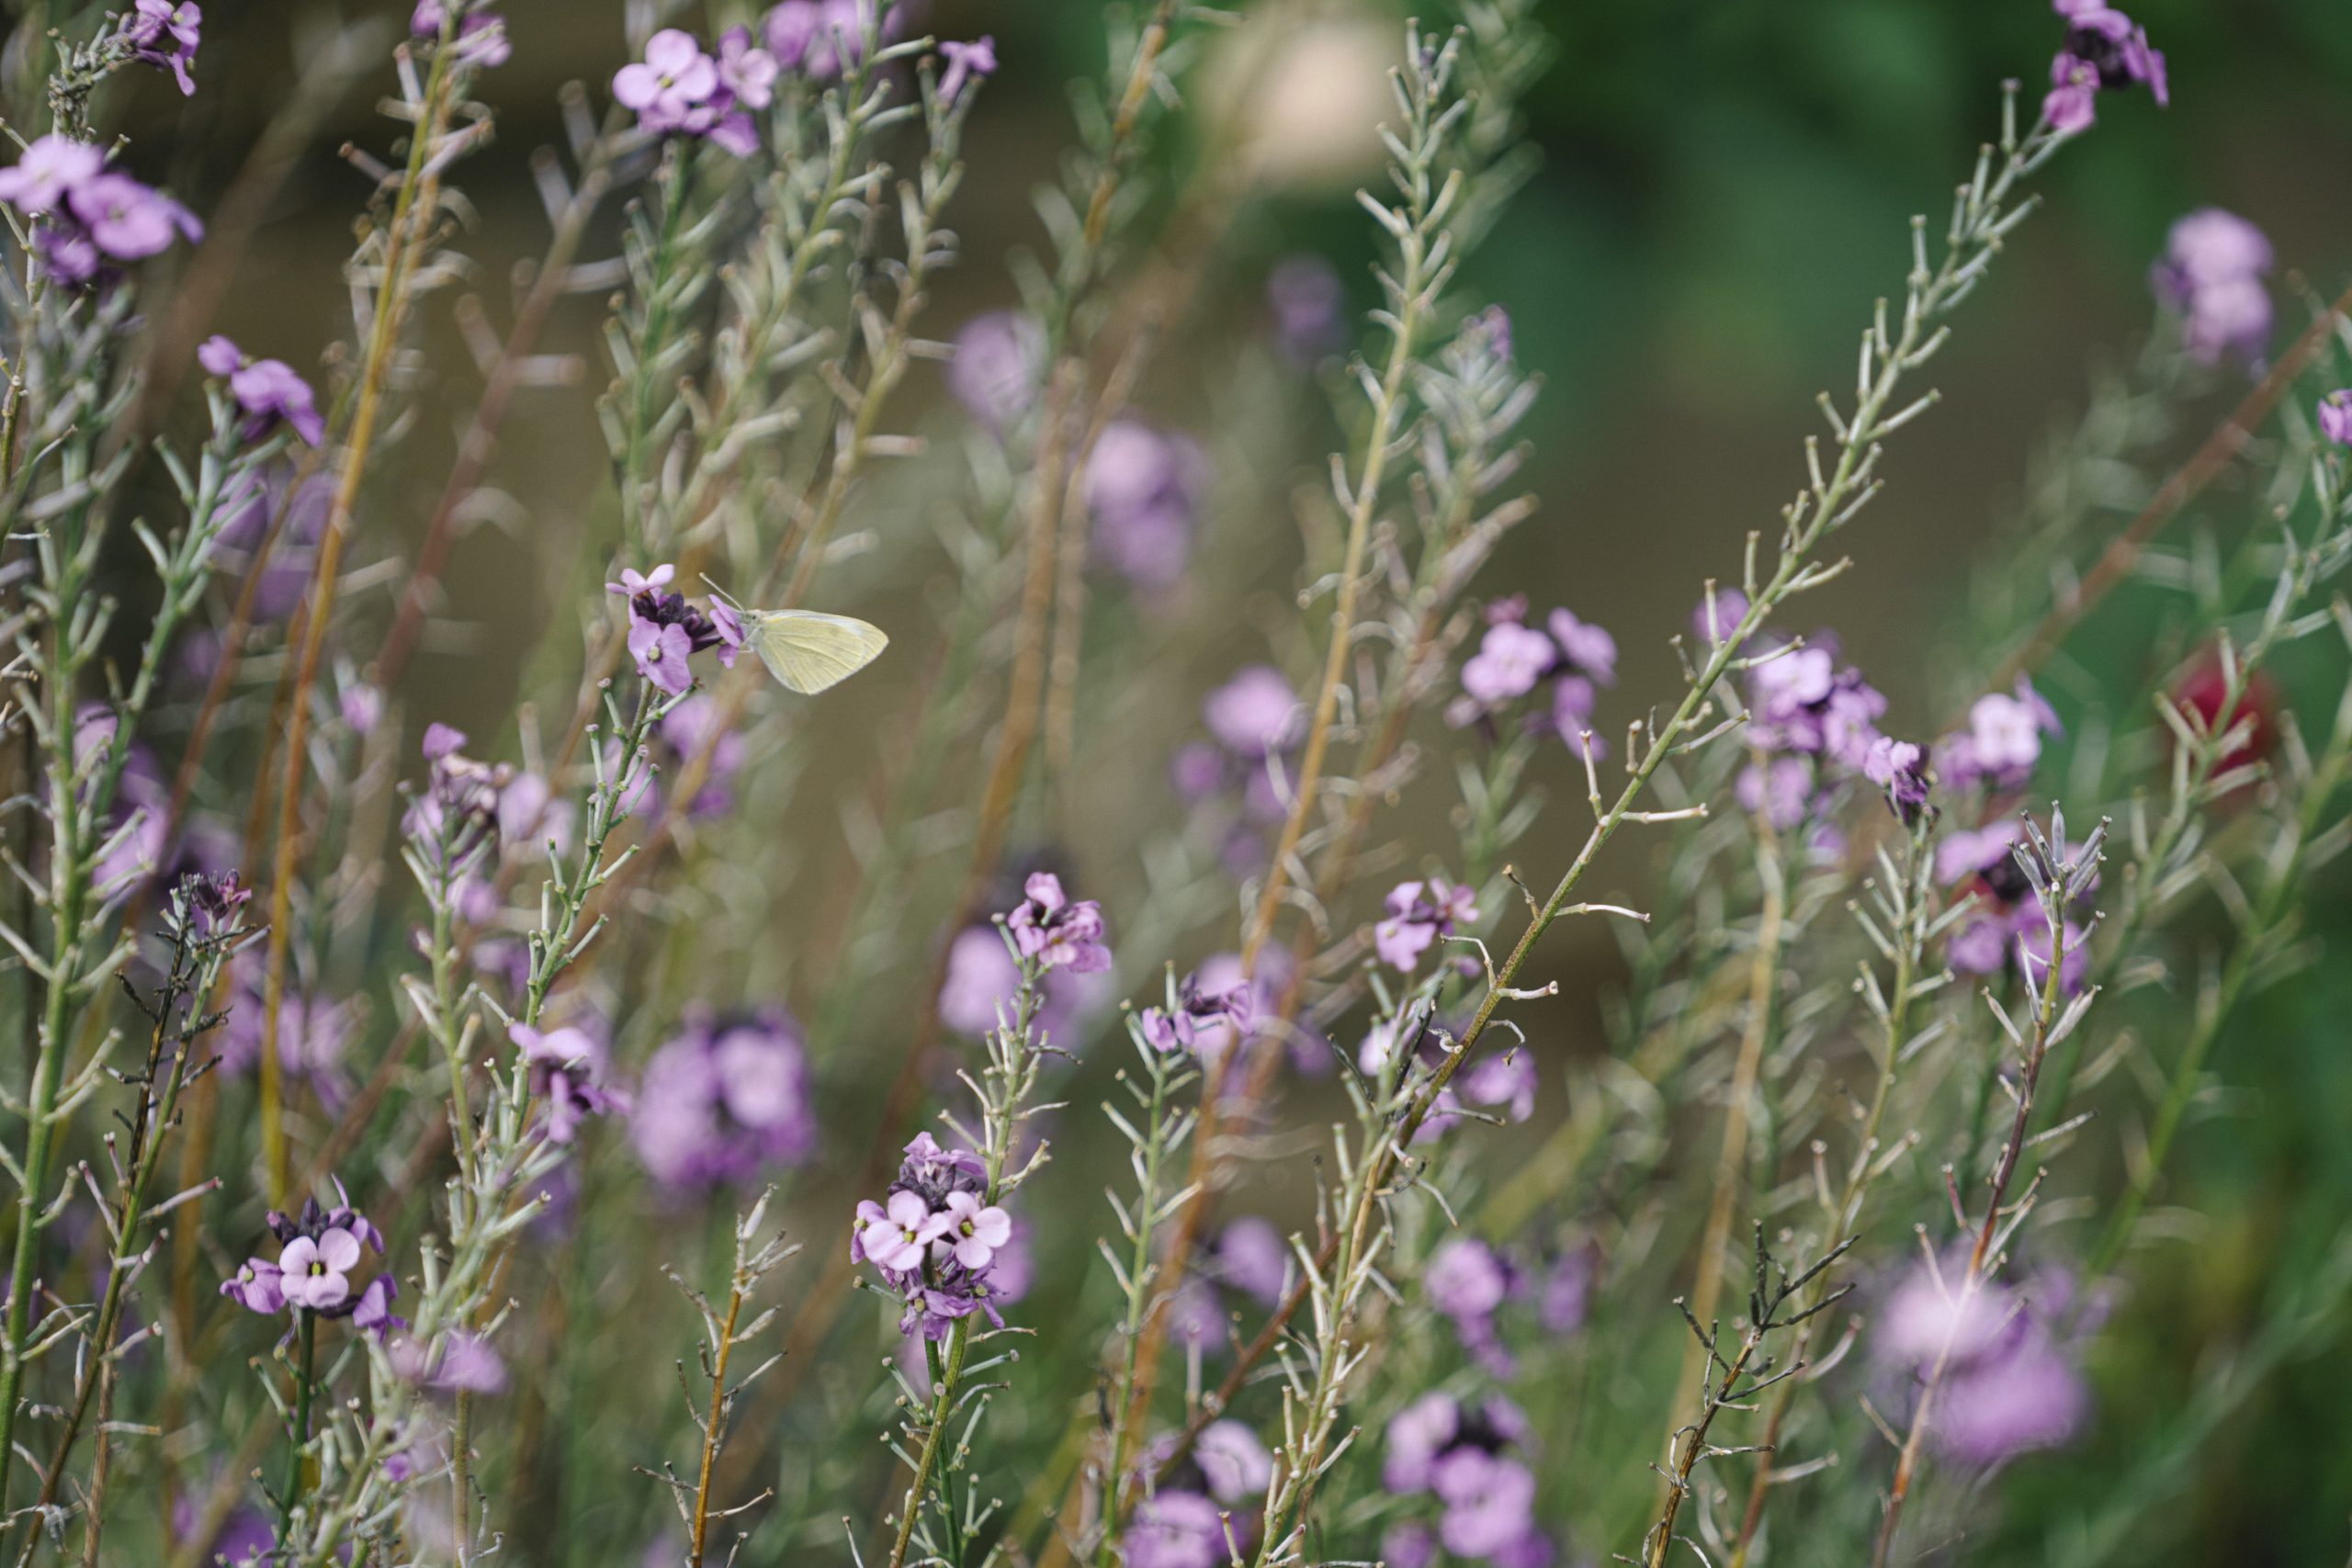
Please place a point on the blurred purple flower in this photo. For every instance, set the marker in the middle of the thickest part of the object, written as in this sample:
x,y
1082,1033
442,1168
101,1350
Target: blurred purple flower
x,y
1144,490
2336,416
966,64
2010,1384
1175,1530
998,368
2002,743
2104,50
1253,1257
1419,914
267,390
2212,272
164,33
724,1100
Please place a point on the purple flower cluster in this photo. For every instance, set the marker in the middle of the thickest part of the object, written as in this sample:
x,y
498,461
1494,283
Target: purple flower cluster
x,y
1802,704
2002,743
311,1031
1468,1281
998,368
317,1252
983,977
665,630
677,90
2009,924
1419,913
267,390
1202,1018
481,40
1900,769
934,1238
1461,1454
571,1075
1144,489
1052,930
2335,415
1254,721
92,216
1515,659
818,37
2212,272
1189,1520
2104,50
164,33
729,1098
2010,1384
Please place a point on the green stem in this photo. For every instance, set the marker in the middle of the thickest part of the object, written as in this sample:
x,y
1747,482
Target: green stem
x,y
305,1341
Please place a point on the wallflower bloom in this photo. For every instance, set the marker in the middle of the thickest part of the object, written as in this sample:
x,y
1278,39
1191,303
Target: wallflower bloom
x,y
665,630
679,90
1253,1258
1900,771
569,1070
1802,703
966,64
317,1251
1175,1530
51,166
998,368
164,33
974,1232
1057,933
2010,1384
2002,742
1515,659
1201,1017
982,977
1144,490
1255,713
2336,416
935,1239
1438,1445
126,221
1233,1461
2104,50
267,390
896,1236
1419,914
729,1098
2212,272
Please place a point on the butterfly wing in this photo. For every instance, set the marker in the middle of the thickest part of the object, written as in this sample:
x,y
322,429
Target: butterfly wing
x,y
809,651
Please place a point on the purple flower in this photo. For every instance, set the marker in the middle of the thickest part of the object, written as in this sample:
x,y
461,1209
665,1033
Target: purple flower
x,y
1254,715
569,1073
267,390
974,1232
665,630
1419,914
164,33
1408,1543
724,1100
674,80
481,40
1899,769
816,37
1143,490
1508,662
1801,702
1203,1021
126,221
896,1236
2010,1384
1782,790
1252,1257
373,1314
2336,416
1562,1300
51,168
1490,1501
2104,50
2212,272
1055,933
1233,1461
1175,1530
1514,659
966,64
258,1286
1417,1435
982,977
998,368
2002,742
1466,1280
746,70
1305,295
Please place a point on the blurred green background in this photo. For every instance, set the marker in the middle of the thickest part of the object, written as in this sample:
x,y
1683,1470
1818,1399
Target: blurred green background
x,y
1724,189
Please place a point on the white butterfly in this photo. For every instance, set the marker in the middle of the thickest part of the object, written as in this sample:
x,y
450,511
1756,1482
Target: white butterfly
x,y
809,651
